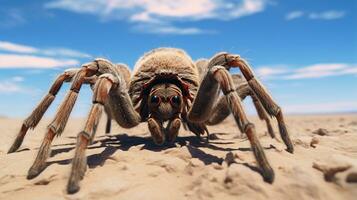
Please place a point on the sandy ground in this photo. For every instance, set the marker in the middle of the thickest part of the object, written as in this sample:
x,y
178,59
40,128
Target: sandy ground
x,y
127,165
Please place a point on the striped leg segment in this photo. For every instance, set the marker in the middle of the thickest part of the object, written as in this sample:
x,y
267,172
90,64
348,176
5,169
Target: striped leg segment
x,y
264,97
57,126
219,78
223,77
79,163
110,91
221,109
37,114
263,115
228,61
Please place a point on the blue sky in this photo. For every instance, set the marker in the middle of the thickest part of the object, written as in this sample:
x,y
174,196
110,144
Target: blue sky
x,y
305,51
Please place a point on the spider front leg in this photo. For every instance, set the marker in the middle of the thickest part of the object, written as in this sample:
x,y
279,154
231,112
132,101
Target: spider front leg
x,y
261,93
101,90
37,114
59,122
109,92
221,109
262,114
218,77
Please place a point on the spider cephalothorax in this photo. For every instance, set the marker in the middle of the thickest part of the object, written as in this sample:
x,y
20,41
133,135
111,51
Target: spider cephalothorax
x,y
165,86
163,96
165,101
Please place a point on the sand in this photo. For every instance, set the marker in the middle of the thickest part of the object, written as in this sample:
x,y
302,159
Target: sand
x,y
127,165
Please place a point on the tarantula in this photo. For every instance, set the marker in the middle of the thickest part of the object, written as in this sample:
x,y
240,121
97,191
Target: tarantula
x,y
166,86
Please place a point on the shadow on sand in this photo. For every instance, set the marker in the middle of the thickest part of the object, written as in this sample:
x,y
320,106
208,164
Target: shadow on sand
x,y
124,142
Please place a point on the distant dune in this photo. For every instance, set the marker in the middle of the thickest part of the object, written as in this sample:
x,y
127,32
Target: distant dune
x,y
126,165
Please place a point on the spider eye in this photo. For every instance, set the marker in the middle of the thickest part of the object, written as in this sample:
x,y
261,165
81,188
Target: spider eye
x,y
155,99
175,100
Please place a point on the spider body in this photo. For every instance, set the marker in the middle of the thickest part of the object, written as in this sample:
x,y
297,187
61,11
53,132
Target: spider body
x,y
165,86
164,83
162,72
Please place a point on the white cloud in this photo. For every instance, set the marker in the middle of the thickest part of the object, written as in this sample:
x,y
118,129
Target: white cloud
x,y
247,7
15,85
266,72
175,30
352,70
64,52
168,29
156,9
58,51
18,79
326,15
323,70
329,107
9,87
294,15
28,61
163,13
312,71
14,55
18,48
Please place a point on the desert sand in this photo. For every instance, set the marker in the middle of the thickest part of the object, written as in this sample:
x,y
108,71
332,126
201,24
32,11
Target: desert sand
x,y
127,165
